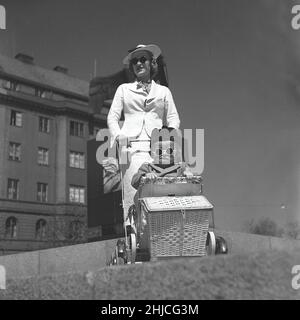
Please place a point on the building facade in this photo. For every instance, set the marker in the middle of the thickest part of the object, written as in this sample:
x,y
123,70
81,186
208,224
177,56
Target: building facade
x,y
45,123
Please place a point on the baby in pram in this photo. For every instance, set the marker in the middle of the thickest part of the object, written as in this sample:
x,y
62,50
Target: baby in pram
x,y
166,153
167,159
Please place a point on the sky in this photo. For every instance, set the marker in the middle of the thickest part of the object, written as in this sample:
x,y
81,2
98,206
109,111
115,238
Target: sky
x,y
204,42
233,70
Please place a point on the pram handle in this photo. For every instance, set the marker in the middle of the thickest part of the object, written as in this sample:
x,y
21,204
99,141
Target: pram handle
x,y
134,139
127,148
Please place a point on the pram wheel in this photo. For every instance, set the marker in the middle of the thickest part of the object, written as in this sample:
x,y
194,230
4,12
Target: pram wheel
x,y
210,243
117,258
131,233
120,260
221,245
132,247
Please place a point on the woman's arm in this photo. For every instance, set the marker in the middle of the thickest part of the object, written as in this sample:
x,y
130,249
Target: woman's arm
x,y
143,170
114,114
172,117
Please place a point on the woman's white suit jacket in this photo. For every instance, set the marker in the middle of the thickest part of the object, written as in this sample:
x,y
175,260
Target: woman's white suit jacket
x,y
153,110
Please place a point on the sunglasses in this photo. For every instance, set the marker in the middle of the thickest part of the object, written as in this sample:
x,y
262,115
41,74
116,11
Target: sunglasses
x,y
160,152
142,59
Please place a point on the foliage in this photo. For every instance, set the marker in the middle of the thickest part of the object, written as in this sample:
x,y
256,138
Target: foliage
x,y
264,226
268,227
292,230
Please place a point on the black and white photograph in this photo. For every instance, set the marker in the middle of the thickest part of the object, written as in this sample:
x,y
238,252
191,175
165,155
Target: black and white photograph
x,y
149,153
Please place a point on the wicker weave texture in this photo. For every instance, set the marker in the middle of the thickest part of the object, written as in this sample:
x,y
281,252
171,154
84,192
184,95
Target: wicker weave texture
x,y
176,203
178,232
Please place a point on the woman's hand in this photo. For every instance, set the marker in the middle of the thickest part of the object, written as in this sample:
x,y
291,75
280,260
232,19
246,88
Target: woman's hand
x,y
110,165
151,175
188,174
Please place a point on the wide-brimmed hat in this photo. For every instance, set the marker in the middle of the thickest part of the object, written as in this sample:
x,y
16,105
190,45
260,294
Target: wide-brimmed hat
x,y
153,48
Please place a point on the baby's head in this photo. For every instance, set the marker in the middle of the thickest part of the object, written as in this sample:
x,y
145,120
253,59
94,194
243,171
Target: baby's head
x,y
165,147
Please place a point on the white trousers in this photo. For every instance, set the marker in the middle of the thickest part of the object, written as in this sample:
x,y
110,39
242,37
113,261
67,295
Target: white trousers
x,y
137,159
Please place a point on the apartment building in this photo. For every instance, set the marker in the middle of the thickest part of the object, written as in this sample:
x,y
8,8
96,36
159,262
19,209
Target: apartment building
x,y
45,123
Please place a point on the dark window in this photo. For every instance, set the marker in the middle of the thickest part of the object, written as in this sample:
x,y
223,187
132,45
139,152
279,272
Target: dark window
x,y
76,194
11,85
42,192
58,97
13,189
43,93
26,89
6,84
15,118
11,228
44,124
41,229
14,152
76,129
77,159
43,156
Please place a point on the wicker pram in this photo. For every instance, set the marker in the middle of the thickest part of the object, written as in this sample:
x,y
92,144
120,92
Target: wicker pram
x,y
172,218
175,226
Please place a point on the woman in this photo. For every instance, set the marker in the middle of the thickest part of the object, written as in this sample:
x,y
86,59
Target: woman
x,y
146,106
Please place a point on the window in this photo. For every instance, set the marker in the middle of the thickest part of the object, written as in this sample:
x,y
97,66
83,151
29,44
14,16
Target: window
x,y
13,189
11,228
58,97
76,194
11,85
15,118
6,84
14,152
43,156
26,89
43,93
47,95
41,229
42,192
44,124
77,159
76,128
39,92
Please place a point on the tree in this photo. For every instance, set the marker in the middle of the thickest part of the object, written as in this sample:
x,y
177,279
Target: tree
x,y
292,230
264,226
